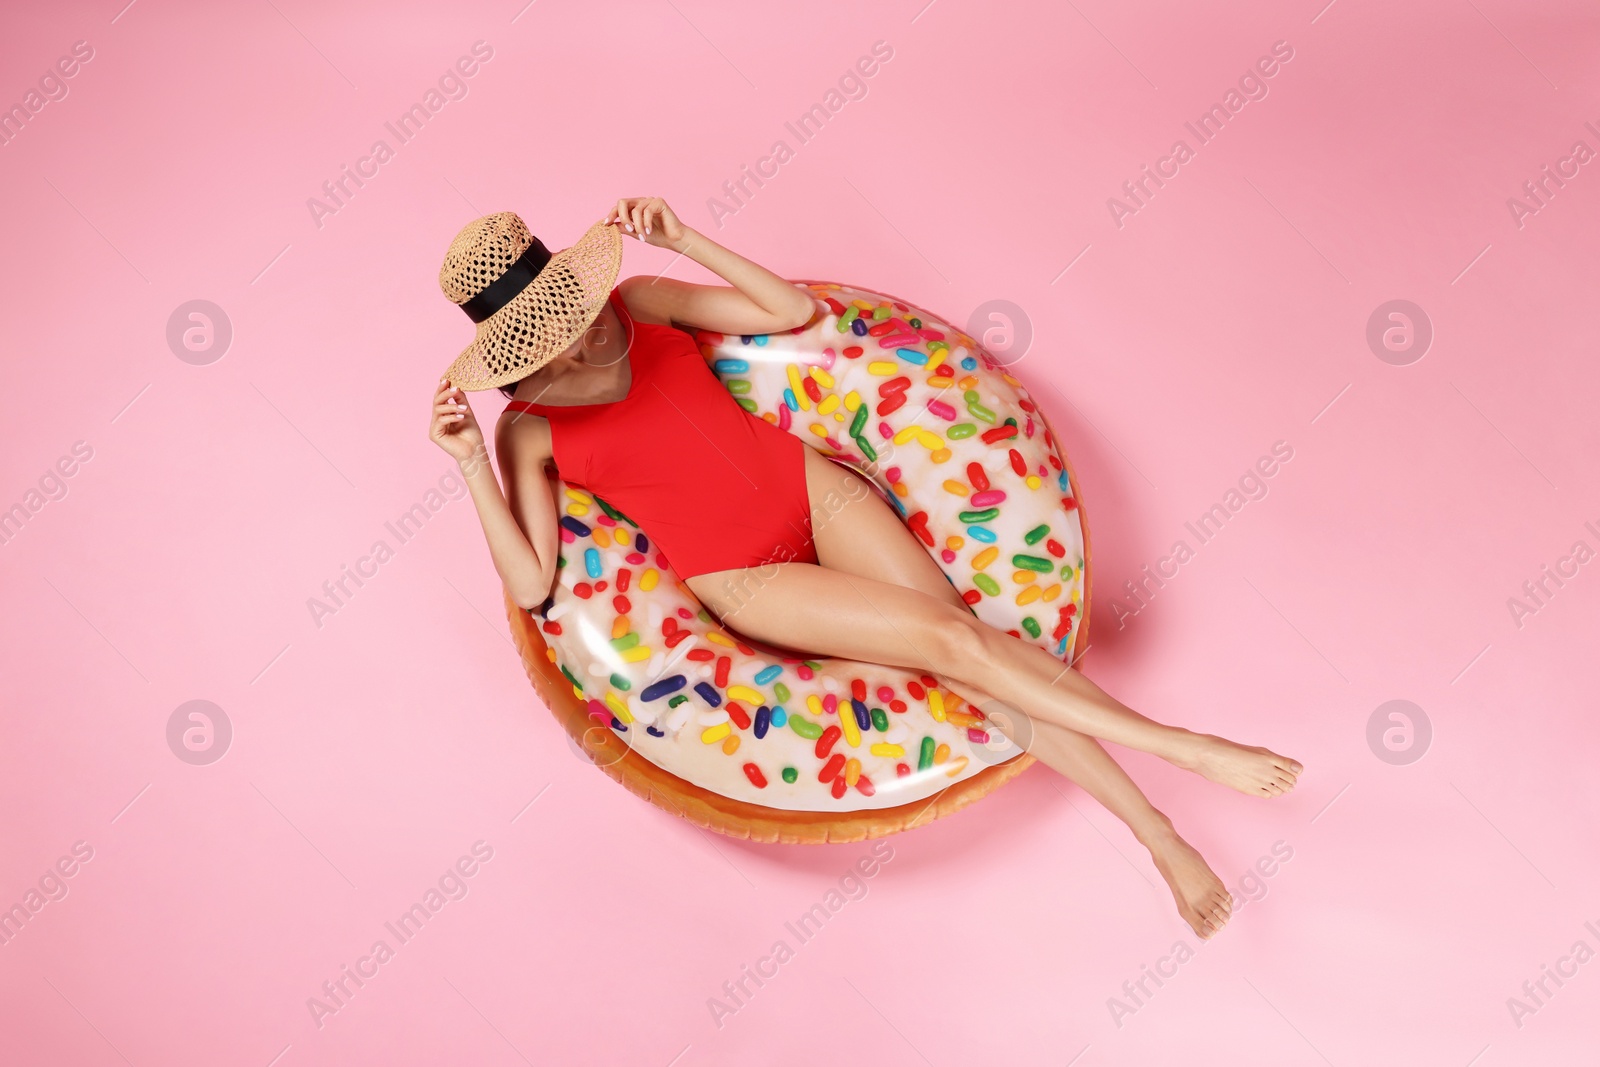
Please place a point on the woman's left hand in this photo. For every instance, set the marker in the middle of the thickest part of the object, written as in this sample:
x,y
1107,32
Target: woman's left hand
x,y
649,219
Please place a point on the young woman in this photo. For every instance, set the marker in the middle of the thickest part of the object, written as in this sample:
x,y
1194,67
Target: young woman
x,y
605,383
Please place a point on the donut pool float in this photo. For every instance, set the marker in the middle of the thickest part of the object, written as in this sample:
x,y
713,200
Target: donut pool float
x,y
754,741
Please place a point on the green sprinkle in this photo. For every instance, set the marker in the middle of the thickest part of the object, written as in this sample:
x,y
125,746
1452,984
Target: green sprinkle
x,y
850,315
570,678
916,324
1067,572
1033,563
859,421
804,727
738,385
978,411
619,682
675,701
781,692
880,720
789,773
1030,624
749,405
961,430
987,584
625,642
865,446
925,756
970,517
1037,534
881,312
971,396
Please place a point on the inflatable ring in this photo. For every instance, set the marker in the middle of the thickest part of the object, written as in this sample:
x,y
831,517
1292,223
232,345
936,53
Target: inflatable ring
x,y
752,741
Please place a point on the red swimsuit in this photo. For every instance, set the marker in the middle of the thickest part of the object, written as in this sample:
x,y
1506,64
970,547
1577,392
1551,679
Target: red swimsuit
x,y
716,487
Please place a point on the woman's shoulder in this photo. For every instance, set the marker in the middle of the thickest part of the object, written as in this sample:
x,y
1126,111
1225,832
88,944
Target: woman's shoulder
x,y
648,300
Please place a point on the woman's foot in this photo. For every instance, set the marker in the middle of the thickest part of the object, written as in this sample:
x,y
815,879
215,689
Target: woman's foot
x,y
1258,772
1203,901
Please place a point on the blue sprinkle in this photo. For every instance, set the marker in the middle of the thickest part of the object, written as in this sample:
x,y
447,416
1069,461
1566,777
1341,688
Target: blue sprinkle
x,y
1061,480
982,533
761,340
641,542
578,529
968,363
768,674
858,327
863,716
894,498
617,726
911,355
789,401
709,694
731,366
591,562
657,690
779,717
763,721
653,732
745,339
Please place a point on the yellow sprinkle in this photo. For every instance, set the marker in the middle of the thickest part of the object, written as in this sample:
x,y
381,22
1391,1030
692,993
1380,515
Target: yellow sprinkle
x,y
954,487
636,654
838,416
577,692
621,536
577,510
712,734
618,708
550,654
962,719
928,439
967,383
852,772
718,637
746,694
935,357
982,559
814,706
862,304
620,626
847,723
796,388
936,705
602,538
1010,379
957,765
883,368
954,542
884,749
823,378
852,400
1028,595
829,402
1023,577
900,489
940,455
818,429
941,753
1034,481
731,744
582,498
648,580
1052,592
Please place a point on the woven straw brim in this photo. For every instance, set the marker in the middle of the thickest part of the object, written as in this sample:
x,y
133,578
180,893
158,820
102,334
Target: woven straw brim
x,y
540,322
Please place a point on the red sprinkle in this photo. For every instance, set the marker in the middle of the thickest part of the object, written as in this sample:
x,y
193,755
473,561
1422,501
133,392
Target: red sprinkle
x,y
882,328
999,433
757,779
623,574
972,596
829,738
700,655
1055,548
813,390
864,784
894,385
553,628
897,706
740,717
676,639
918,525
853,352
891,405
620,605
584,590
1068,503
977,476
858,689
916,690
831,769
723,663
834,305
930,681
901,770
1018,464
838,787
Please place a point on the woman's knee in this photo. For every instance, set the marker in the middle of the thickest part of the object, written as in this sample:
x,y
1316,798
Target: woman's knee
x,y
960,645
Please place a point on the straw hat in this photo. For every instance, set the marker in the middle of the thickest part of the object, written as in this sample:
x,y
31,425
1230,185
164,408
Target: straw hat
x,y
529,305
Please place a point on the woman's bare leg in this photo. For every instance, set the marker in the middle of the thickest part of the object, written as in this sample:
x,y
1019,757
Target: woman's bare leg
x,y
857,533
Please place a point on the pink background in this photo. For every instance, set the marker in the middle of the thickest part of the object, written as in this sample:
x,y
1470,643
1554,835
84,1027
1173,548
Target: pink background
x,y
1227,314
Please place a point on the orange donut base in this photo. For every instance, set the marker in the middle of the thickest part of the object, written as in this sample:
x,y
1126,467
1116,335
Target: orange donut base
x,y
737,818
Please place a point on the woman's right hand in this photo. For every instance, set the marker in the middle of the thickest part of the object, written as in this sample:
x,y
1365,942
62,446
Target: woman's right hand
x,y
453,427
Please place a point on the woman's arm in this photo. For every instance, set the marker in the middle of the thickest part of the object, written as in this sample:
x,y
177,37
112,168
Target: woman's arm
x,y
757,302
523,535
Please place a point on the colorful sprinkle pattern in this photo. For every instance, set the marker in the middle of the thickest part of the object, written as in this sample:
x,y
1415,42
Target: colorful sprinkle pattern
x,y
958,447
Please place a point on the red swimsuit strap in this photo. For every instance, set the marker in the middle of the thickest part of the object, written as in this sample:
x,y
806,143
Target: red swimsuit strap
x,y
531,407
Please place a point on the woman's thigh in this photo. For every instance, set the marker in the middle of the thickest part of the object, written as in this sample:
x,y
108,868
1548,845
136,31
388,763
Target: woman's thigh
x,y
858,532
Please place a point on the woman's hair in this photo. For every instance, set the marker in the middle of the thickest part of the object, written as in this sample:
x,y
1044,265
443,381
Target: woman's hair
x,y
510,388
